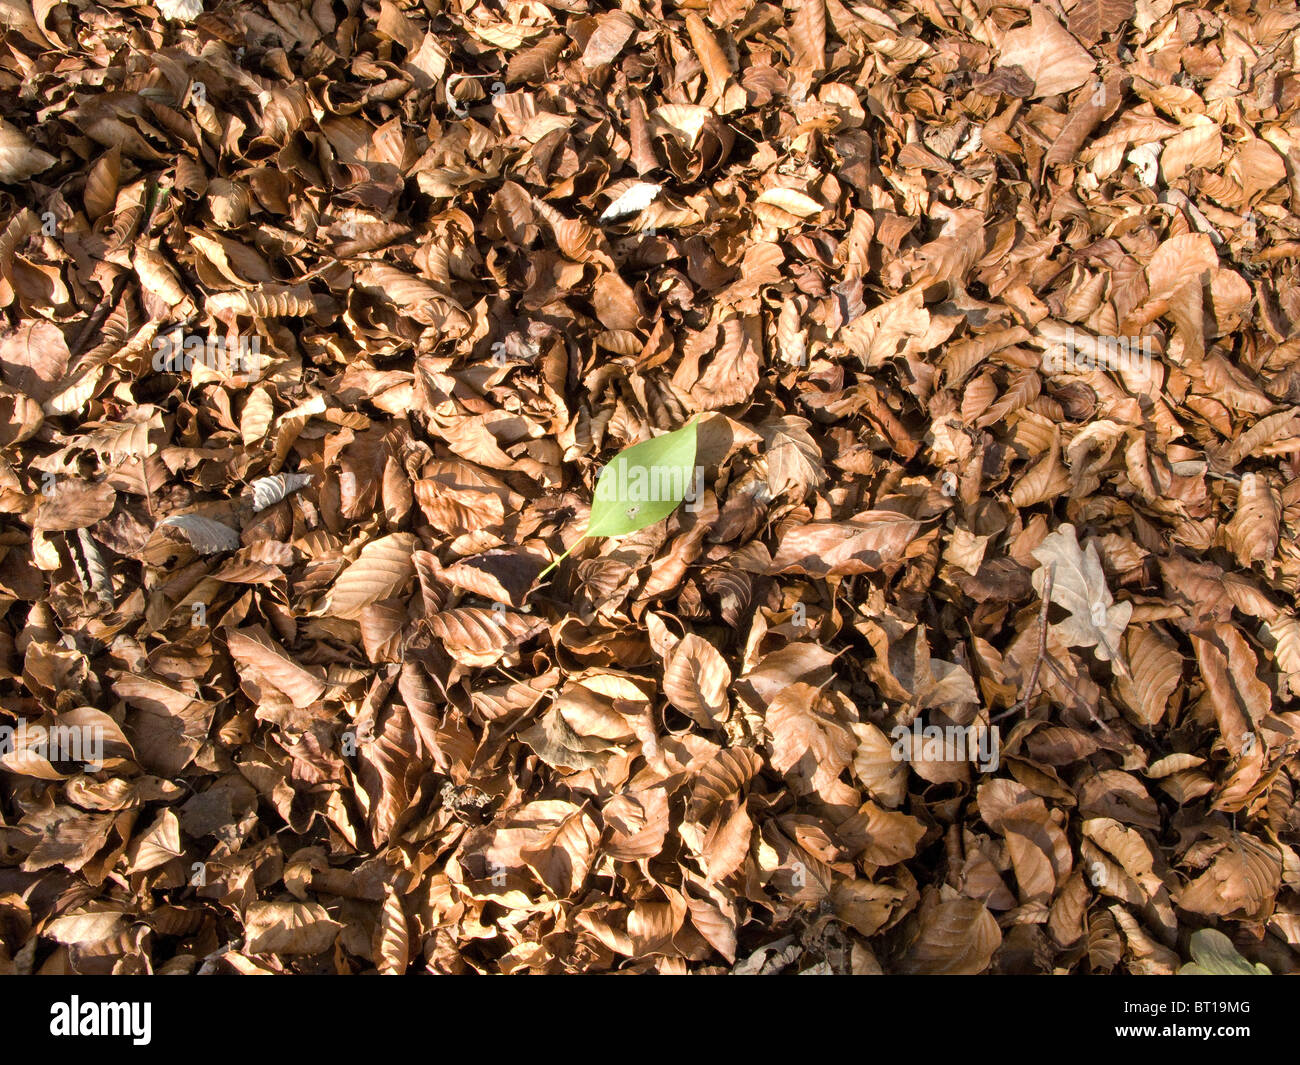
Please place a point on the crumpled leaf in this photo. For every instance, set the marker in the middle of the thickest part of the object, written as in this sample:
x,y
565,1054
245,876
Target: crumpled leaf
x,y
205,535
288,928
1214,955
1079,585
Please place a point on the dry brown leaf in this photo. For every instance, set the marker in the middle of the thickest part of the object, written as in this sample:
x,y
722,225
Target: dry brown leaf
x,y
696,679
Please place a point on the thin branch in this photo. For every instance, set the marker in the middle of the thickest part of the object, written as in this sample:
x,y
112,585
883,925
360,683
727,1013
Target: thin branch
x,y
1042,649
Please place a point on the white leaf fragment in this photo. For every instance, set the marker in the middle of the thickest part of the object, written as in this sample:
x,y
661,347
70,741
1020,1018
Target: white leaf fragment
x,y
180,10
204,534
267,491
1146,159
639,196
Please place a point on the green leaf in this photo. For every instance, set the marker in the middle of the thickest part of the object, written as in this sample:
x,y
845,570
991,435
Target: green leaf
x,y
643,484
1214,955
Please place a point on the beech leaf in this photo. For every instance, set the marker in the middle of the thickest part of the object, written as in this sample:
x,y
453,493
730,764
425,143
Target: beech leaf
x,y
1079,585
642,485
1214,955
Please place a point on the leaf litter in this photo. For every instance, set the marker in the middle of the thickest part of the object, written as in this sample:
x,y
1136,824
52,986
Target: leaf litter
x,y
976,651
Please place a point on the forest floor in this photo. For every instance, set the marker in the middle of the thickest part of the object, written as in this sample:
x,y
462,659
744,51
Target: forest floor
x,y
971,646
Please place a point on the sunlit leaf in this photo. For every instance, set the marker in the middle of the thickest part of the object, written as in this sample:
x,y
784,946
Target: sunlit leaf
x,y
641,485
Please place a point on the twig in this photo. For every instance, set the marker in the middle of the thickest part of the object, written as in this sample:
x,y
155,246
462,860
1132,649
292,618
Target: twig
x,y
1042,649
1087,706
1115,659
